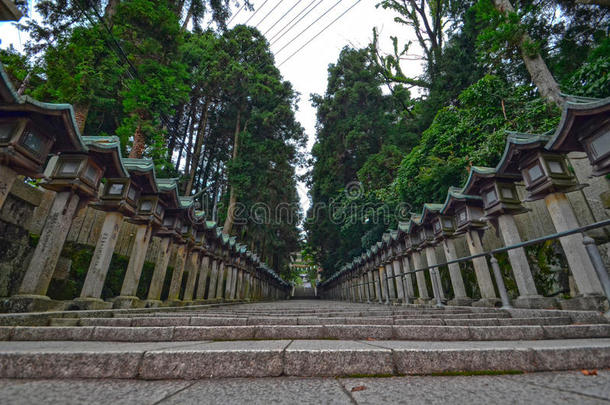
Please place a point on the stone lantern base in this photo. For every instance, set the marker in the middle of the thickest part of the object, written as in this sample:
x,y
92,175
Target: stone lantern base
x,y
174,303
89,304
460,302
487,302
585,303
153,304
535,302
33,303
126,302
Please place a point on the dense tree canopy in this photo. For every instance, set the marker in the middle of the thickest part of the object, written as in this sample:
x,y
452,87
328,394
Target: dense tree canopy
x,y
489,66
209,106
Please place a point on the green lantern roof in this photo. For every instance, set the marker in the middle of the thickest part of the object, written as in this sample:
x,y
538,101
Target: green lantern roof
x,y
519,141
60,117
106,150
429,211
455,194
577,112
142,171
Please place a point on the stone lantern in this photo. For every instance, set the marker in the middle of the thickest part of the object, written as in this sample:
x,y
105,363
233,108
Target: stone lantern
x,y
24,144
118,199
501,203
585,127
547,176
416,242
195,238
158,208
429,229
397,248
403,241
202,240
76,179
467,211
29,131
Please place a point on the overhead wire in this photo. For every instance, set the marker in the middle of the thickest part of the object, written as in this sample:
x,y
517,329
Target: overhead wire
x,y
275,38
236,14
319,33
267,15
284,15
308,27
255,12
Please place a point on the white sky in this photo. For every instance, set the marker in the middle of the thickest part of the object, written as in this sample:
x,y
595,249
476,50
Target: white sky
x,y
307,69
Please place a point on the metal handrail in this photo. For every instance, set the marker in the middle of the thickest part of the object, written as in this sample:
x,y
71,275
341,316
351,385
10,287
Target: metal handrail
x,y
589,245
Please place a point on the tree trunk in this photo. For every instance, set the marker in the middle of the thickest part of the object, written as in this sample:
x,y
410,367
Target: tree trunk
x,y
110,10
171,144
25,83
198,145
233,194
536,66
189,146
139,144
189,14
81,111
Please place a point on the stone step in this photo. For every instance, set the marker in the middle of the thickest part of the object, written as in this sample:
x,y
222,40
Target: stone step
x,y
221,321
202,360
342,332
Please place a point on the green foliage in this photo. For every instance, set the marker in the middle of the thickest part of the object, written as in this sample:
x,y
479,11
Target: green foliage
x,y
361,137
592,79
472,133
80,257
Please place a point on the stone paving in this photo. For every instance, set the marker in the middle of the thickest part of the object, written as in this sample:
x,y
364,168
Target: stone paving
x,y
300,338
538,388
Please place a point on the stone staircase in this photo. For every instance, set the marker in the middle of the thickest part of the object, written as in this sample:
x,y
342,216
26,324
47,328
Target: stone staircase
x,y
298,338
301,292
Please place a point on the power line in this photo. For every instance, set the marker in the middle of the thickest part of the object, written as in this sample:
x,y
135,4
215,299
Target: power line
x,y
236,14
255,12
280,19
267,15
318,34
275,38
308,27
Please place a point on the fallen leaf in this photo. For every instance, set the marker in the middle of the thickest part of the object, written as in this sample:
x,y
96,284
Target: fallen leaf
x,y
358,388
370,339
589,372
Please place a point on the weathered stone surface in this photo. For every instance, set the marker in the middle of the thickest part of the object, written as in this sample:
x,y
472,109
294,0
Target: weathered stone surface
x,y
358,332
264,320
335,358
215,360
52,333
142,334
506,333
105,321
217,321
263,391
160,321
416,332
462,389
91,392
290,332
198,333
576,331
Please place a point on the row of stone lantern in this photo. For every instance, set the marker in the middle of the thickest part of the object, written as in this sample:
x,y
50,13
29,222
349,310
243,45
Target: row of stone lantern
x,y
41,140
490,198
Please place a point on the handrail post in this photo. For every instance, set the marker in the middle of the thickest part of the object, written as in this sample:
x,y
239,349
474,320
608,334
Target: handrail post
x,y
437,291
598,265
500,283
402,280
